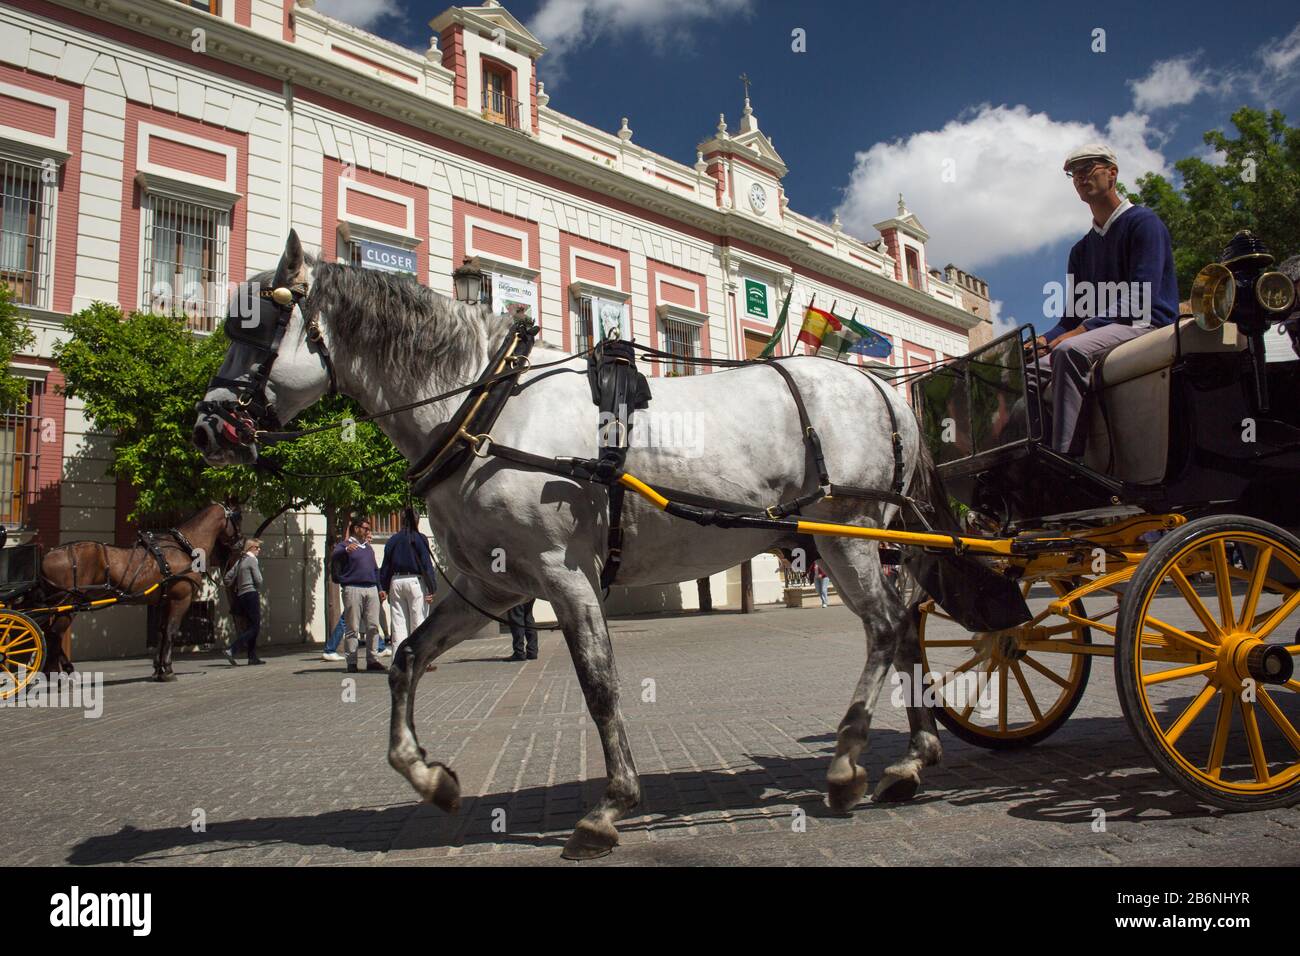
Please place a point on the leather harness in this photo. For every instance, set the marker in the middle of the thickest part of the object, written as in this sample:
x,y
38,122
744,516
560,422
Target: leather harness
x,y
618,390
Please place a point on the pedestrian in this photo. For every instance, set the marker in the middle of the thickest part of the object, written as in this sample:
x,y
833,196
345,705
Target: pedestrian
x,y
335,638
406,579
823,582
523,632
358,574
245,578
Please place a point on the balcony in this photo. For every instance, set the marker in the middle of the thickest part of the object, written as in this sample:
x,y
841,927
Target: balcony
x,y
501,109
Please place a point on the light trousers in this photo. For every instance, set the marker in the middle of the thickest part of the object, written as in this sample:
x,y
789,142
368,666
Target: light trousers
x,y
406,607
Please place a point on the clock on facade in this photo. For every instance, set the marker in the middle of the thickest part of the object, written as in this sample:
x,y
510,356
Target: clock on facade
x,y
758,198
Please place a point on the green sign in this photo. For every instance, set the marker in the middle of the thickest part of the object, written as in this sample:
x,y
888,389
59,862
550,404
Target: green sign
x,y
756,298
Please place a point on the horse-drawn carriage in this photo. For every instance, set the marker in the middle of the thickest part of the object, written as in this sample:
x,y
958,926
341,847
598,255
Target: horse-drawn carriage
x,y
22,643
1170,547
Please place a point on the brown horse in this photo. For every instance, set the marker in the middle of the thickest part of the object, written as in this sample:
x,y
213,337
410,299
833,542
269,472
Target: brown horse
x,y
84,571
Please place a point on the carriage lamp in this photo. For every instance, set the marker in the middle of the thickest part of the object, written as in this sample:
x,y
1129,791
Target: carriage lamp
x,y
469,282
1275,292
1214,292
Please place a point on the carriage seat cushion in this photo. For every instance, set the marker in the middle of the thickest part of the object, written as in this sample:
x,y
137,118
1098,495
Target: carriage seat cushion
x,y
1155,350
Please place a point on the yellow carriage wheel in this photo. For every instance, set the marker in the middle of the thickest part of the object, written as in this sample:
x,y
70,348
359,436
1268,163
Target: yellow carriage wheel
x,y
22,652
994,692
1204,659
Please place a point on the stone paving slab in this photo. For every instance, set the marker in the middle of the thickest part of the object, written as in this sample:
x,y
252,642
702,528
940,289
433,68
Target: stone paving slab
x,y
732,748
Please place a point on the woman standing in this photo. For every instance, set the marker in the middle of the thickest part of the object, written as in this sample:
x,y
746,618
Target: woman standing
x,y
245,578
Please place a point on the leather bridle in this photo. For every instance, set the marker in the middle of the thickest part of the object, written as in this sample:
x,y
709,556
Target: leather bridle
x,y
250,412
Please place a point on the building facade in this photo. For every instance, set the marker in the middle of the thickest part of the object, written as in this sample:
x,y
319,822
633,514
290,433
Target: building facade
x,y
155,151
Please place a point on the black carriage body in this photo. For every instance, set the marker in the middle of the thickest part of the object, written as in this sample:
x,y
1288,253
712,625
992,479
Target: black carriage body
x,y
982,419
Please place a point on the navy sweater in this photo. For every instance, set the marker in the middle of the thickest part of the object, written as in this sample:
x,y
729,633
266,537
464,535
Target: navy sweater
x,y
1136,248
407,552
356,568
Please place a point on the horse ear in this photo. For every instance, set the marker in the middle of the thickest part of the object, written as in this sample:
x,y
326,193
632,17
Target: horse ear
x,y
292,271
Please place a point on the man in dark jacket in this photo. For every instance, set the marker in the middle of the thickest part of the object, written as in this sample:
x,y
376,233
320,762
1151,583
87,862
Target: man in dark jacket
x,y
358,575
407,579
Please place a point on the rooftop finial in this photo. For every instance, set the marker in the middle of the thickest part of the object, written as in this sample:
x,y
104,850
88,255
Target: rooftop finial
x,y
722,124
902,207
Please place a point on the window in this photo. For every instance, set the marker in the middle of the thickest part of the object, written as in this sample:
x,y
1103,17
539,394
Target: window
x,y
19,444
26,223
913,269
185,259
207,6
498,105
682,339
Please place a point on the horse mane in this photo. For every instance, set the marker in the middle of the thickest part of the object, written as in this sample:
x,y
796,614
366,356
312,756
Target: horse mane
x,y
406,327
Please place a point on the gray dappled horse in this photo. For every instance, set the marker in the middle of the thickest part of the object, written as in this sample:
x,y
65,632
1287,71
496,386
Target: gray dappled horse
x,y
387,341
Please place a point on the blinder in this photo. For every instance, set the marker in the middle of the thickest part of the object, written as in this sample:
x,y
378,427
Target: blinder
x,y
263,331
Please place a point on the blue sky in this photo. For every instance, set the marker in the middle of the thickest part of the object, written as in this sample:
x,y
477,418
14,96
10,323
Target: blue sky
x,y
884,102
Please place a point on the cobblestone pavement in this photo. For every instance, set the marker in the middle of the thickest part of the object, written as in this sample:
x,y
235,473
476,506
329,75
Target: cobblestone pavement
x,y
736,740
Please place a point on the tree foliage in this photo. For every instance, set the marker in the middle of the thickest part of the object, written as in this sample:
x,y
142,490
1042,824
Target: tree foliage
x,y
15,336
140,377
1257,187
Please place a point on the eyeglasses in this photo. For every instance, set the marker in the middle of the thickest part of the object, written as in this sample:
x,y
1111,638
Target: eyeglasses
x,y
1081,172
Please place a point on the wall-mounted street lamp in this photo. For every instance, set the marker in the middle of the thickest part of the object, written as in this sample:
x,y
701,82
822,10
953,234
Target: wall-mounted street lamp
x,y
469,282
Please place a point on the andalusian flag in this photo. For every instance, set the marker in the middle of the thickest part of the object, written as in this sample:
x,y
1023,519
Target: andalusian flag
x,y
857,338
816,324
770,348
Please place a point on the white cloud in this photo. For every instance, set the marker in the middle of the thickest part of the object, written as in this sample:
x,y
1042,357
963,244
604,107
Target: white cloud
x,y
1172,82
1008,195
1283,55
360,13
567,25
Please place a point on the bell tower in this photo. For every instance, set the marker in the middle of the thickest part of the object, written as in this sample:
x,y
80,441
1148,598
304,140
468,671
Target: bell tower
x,y
494,58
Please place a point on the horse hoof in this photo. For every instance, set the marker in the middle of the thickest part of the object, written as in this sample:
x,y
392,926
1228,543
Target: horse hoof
x,y
591,839
440,786
166,678
897,785
843,797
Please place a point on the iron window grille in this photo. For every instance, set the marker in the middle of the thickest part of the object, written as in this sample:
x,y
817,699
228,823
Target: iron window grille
x,y
20,458
682,339
582,331
26,221
185,264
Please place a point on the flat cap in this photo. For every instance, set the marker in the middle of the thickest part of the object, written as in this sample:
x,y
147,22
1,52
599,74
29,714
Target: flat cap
x,y
1092,151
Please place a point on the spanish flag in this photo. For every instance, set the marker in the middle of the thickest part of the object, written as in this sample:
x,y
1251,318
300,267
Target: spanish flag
x,y
816,323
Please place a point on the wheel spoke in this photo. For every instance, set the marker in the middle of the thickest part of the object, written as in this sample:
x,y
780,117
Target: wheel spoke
x,y
1177,673
1024,689
1275,712
1190,713
1254,742
1221,725
953,643
1263,558
1047,672
1278,616
1223,583
1194,602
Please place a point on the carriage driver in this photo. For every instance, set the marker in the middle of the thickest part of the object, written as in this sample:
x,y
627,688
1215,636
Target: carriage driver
x,y
1127,245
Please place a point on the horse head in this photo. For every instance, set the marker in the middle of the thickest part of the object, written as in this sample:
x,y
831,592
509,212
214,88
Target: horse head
x,y
276,365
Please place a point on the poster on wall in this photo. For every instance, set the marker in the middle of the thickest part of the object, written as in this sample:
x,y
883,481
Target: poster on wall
x,y
756,299
610,317
510,291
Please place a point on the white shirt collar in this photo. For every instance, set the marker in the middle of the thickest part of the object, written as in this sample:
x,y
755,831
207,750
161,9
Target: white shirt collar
x,y
1122,208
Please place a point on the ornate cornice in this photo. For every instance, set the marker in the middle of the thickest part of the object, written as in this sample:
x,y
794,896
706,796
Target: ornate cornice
x,y
276,59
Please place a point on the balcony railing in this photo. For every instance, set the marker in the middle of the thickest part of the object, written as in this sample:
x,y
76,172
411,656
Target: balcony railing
x,y
499,108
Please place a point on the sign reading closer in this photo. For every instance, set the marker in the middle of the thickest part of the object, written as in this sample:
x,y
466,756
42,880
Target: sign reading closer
x,y
385,258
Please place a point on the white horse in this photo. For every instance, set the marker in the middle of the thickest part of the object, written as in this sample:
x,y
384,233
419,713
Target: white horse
x,y
392,342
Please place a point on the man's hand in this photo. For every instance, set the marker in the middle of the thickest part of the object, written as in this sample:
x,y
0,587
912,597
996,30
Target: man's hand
x,y
352,546
383,595
428,599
